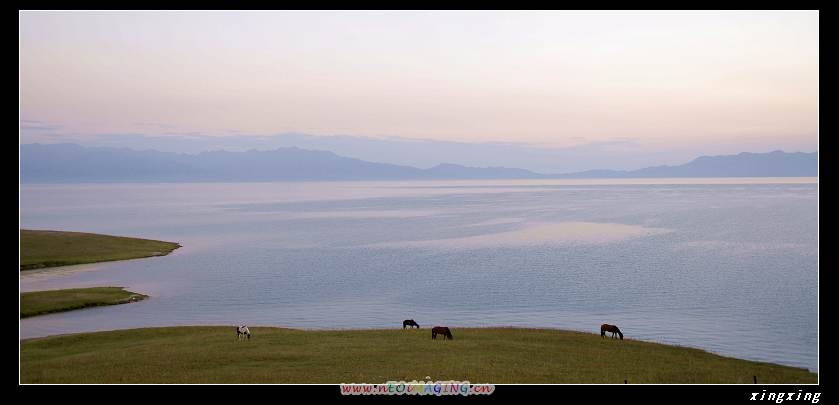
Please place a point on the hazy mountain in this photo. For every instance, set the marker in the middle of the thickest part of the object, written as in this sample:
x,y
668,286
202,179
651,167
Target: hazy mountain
x,y
420,153
773,164
70,162
74,163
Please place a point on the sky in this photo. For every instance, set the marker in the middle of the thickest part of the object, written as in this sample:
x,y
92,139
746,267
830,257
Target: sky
x,y
618,90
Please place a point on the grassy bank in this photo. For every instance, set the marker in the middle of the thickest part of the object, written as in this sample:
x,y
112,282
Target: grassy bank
x,y
496,355
45,302
40,249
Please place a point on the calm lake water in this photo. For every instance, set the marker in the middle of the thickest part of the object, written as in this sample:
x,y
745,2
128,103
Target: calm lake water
x,y
727,265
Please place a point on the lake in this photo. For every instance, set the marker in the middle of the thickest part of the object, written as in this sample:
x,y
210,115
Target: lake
x,y
727,265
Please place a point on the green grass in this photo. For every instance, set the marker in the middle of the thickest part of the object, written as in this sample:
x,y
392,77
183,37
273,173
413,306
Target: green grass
x,y
45,302
197,354
40,249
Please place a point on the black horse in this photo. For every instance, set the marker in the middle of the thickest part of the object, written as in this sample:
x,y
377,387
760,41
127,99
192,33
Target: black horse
x,y
610,328
442,330
409,322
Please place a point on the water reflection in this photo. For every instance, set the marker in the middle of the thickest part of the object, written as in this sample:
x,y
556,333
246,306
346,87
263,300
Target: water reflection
x,y
534,234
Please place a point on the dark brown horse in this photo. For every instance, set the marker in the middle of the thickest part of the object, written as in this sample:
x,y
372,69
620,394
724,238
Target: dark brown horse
x,y
409,322
447,334
610,328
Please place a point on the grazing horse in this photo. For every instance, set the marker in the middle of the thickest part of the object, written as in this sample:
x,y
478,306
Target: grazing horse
x,y
610,328
447,334
242,332
409,322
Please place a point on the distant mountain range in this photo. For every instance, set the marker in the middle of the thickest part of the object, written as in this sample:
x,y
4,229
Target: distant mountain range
x,y
75,163
773,164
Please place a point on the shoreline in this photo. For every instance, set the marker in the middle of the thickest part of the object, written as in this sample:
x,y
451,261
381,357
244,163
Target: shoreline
x,y
44,302
48,249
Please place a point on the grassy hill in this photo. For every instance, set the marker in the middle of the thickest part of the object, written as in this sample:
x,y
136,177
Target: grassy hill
x,y
40,249
211,354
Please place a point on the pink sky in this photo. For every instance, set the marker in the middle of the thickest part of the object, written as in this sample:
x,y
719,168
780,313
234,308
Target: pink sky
x,y
665,80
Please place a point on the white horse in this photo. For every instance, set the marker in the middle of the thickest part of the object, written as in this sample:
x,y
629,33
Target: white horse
x,y
242,332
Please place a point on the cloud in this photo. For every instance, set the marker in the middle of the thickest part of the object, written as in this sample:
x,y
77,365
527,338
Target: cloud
x,y
189,134
27,125
155,125
39,127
